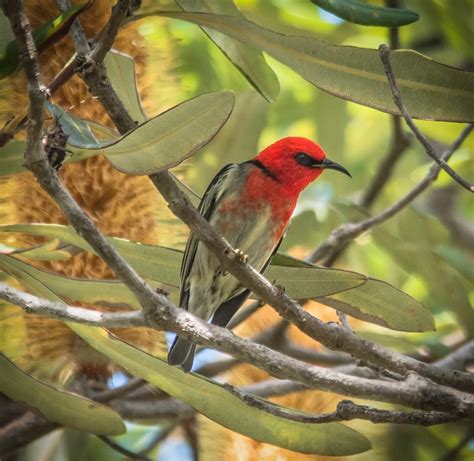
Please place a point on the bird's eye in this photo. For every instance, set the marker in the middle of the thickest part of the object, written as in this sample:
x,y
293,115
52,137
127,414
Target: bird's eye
x,y
306,160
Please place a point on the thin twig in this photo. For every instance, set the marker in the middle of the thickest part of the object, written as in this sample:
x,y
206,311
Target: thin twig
x,y
453,453
397,97
122,450
350,231
107,36
458,359
119,392
66,313
400,142
23,430
78,35
347,410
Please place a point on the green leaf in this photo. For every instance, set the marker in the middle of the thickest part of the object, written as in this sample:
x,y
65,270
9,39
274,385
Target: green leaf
x,y
121,72
63,408
223,407
457,259
79,130
43,36
446,287
163,265
416,249
101,292
310,282
6,34
249,61
157,144
431,90
380,303
12,157
53,250
368,15
166,140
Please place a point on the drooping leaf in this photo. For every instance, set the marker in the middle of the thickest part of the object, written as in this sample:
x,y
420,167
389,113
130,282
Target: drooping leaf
x,y
431,91
121,72
374,301
368,15
246,58
216,403
163,264
43,36
380,303
58,406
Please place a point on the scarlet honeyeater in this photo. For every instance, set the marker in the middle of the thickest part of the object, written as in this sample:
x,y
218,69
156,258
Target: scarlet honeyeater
x,y
250,204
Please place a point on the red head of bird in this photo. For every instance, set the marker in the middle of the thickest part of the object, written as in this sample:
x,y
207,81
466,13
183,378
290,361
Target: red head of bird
x,y
295,162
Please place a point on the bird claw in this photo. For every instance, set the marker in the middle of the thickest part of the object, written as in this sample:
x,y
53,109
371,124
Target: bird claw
x,y
281,289
241,256
160,291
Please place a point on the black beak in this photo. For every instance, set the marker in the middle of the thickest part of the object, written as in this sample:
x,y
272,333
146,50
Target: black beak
x,y
330,165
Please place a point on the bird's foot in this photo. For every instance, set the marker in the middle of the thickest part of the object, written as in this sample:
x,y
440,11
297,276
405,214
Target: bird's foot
x,y
281,289
160,291
241,256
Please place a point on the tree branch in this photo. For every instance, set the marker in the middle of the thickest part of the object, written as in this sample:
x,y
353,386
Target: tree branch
x,y
400,142
350,231
66,313
414,391
347,410
385,57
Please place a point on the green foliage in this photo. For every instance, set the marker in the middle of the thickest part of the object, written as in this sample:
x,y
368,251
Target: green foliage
x,y
43,36
430,90
121,70
368,15
380,303
12,157
58,406
371,300
162,265
246,58
418,255
228,409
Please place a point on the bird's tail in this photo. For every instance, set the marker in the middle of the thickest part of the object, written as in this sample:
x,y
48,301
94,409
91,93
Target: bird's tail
x,y
182,353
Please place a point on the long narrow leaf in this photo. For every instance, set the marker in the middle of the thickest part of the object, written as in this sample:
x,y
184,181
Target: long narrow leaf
x,y
223,407
431,91
58,406
163,264
368,15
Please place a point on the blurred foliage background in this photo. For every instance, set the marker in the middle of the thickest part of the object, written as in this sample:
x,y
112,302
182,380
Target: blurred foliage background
x,y
419,251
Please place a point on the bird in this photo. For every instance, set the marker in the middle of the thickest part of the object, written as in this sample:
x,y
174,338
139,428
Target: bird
x,y
250,204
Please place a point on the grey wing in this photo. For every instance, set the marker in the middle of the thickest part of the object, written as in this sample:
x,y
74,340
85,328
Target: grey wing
x,y
208,204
